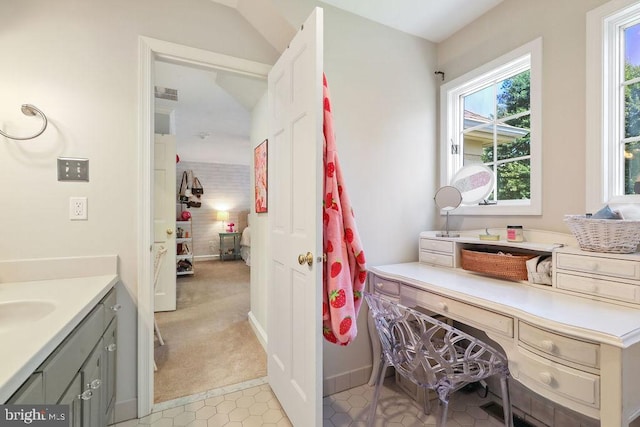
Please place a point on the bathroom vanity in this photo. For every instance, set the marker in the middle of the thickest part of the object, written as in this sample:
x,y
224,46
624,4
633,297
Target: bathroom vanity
x,y
575,342
63,348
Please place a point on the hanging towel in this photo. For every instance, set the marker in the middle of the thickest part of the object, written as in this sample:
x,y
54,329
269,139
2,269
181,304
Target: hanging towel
x,y
344,273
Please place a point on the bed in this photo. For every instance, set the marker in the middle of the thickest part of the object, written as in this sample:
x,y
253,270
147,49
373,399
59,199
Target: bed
x,y
245,245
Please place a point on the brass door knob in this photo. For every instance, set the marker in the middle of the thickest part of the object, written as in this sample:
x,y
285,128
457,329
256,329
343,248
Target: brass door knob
x,y
169,231
308,259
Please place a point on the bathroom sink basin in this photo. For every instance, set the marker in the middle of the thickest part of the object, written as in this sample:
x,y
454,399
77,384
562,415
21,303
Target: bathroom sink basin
x,y
15,313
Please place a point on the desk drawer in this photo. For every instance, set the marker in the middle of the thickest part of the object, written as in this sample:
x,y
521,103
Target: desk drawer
x,y
625,269
384,286
436,259
563,347
436,245
466,313
602,288
539,373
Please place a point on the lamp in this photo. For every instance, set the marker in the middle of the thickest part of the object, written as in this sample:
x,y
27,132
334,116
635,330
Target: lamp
x,y
222,216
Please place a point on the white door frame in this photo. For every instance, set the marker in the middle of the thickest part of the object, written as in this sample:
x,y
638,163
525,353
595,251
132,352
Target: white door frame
x,y
148,51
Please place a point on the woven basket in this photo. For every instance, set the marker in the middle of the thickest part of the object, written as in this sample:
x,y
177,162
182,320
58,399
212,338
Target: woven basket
x,y
511,266
620,236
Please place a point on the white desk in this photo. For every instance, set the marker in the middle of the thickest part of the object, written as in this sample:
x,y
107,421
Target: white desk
x,y
579,352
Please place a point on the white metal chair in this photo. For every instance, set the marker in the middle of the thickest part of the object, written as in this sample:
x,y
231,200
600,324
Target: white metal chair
x,y
433,355
157,263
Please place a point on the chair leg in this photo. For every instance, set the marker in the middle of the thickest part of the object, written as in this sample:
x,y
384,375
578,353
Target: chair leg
x,y
444,409
382,370
157,331
426,403
506,400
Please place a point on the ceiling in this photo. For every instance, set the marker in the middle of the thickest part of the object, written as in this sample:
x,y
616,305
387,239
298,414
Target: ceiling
x,y
433,20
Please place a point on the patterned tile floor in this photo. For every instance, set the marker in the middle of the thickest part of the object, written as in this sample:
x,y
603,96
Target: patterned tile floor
x,y
254,404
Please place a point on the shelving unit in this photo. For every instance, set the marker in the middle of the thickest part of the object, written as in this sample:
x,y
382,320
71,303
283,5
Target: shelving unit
x,y
184,248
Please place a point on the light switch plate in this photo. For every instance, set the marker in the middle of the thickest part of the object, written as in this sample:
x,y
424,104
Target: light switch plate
x,y
73,169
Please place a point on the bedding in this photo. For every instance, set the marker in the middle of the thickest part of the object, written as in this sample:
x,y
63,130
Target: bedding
x,y
245,245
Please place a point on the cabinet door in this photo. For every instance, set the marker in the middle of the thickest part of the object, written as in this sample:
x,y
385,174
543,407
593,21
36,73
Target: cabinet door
x,y
72,398
109,370
92,389
31,392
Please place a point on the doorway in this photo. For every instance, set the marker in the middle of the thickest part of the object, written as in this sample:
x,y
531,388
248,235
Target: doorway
x,y
150,51
209,114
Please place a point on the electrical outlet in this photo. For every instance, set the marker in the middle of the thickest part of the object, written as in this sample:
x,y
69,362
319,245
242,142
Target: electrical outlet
x,y
77,208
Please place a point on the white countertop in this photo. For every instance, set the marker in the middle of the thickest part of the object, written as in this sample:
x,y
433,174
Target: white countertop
x,y
582,317
23,347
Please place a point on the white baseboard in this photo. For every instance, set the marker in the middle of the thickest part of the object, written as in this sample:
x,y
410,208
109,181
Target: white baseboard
x,y
197,258
125,410
261,334
346,380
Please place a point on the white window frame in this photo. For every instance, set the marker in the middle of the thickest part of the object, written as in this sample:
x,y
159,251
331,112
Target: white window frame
x,y
604,104
528,56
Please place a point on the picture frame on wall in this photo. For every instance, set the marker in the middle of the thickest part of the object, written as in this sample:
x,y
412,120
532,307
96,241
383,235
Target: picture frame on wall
x,y
260,158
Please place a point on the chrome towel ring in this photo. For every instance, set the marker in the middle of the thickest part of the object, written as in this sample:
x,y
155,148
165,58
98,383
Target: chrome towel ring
x,y
29,110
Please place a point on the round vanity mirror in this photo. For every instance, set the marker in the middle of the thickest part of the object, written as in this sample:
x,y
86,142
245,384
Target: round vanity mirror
x,y
447,198
475,183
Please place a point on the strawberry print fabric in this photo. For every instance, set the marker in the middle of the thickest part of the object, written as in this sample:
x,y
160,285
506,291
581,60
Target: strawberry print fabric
x,y
345,271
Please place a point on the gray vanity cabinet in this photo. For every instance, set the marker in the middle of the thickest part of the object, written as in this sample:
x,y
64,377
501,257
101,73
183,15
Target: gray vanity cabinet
x,y
70,397
81,372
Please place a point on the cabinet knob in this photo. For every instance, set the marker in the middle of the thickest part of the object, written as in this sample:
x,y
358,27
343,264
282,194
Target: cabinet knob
x,y
111,347
443,306
546,378
547,345
86,395
116,307
95,384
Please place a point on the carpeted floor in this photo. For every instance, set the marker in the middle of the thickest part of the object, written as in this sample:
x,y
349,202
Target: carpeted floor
x,y
208,340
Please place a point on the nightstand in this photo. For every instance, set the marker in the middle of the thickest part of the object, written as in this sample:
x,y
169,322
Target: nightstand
x,y
230,245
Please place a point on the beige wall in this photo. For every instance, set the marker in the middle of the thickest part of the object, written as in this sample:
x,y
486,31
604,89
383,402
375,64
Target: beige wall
x,y
77,60
562,26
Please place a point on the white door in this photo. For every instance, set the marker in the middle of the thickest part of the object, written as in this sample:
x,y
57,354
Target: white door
x,y
164,219
295,226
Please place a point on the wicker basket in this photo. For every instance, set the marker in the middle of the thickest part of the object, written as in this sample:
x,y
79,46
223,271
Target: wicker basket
x,y
511,266
620,236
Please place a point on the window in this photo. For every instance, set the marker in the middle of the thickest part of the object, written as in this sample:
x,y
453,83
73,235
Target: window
x,y
492,116
613,104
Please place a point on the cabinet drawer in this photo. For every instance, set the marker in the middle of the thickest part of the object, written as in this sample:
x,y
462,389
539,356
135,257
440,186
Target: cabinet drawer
x,y
563,347
539,373
60,368
466,313
436,245
595,265
597,287
111,307
436,259
385,286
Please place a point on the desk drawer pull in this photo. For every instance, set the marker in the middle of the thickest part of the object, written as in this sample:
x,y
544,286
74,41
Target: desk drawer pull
x,y
546,378
443,306
547,345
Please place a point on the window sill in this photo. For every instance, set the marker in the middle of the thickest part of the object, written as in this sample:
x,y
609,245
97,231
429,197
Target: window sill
x,y
491,210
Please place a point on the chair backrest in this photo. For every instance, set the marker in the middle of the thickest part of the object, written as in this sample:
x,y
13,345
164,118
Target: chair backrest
x,y
158,257
428,351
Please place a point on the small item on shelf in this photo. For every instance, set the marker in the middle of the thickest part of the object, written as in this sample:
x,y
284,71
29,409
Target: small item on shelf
x,y
488,236
230,229
514,233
